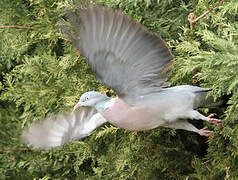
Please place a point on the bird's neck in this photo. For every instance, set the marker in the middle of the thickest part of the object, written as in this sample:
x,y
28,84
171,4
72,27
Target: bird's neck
x,y
102,105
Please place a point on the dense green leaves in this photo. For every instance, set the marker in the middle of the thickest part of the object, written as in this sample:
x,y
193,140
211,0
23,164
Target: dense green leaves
x,y
41,73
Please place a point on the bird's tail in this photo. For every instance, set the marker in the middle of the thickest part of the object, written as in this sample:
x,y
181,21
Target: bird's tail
x,y
207,101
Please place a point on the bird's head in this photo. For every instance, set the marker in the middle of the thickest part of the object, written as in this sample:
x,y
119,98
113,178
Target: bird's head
x,y
90,99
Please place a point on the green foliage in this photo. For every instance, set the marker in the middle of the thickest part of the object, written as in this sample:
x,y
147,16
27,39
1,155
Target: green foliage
x,y
41,73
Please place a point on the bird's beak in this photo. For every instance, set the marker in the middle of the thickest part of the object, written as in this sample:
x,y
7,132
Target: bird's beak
x,y
76,106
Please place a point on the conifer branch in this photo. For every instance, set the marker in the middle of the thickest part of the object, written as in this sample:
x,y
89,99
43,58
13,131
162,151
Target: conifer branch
x,y
77,58
18,27
5,148
191,17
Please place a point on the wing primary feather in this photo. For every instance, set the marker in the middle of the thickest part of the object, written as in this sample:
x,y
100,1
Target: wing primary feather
x,y
56,130
122,53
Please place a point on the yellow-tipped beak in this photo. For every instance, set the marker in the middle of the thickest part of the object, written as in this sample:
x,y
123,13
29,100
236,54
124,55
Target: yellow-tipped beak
x,y
76,106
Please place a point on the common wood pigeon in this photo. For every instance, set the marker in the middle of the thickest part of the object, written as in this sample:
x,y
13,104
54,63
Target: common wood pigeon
x,y
129,59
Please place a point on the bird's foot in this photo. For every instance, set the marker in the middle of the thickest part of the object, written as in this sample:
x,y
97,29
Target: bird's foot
x,y
214,121
204,132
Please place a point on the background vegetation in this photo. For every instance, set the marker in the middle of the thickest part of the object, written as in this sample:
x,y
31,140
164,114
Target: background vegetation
x,y
42,73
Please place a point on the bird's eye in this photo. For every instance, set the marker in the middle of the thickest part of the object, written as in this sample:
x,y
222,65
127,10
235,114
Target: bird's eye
x,y
87,98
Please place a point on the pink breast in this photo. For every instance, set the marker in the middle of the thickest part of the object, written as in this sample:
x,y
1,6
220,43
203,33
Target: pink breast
x,y
128,117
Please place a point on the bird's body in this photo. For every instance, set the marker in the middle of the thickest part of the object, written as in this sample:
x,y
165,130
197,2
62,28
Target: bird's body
x,y
128,117
157,109
132,61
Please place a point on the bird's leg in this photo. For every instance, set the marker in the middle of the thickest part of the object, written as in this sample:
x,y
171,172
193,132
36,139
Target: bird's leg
x,y
214,121
204,132
196,115
181,124
184,124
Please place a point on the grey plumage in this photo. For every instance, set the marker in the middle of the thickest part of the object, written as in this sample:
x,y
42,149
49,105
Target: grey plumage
x,y
129,59
117,48
56,130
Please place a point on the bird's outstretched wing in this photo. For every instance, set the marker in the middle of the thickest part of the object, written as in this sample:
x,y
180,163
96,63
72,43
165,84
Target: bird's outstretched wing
x,y
56,130
121,52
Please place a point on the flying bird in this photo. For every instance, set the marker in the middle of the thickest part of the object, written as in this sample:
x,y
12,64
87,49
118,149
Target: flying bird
x,y
132,61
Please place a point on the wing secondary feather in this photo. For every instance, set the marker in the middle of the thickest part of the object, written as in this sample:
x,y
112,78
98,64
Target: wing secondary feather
x,y
56,130
121,52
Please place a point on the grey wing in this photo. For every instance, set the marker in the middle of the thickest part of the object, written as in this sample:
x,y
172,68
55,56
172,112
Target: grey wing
x,y
56,130
121,52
